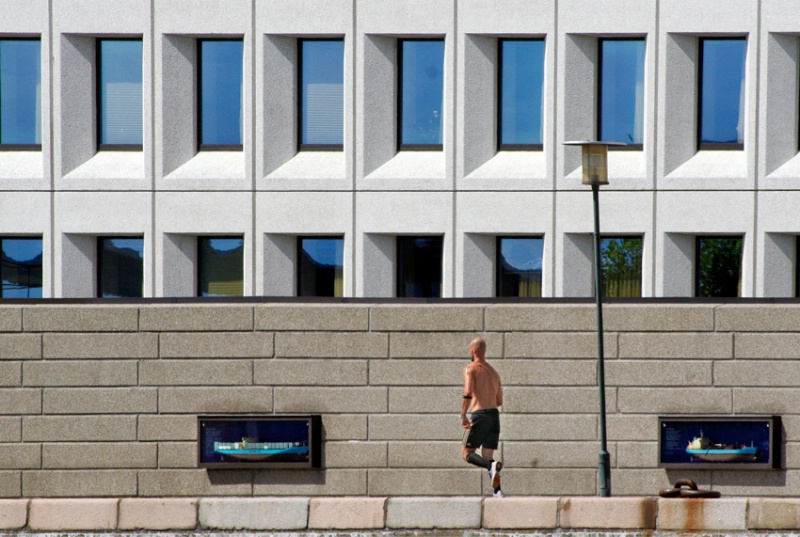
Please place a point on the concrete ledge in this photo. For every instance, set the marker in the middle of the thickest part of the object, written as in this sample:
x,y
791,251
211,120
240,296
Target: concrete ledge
x,y
13,514
347,513
608,513
254,513
773,514
70,514
157,514
431,513
699,514
520,513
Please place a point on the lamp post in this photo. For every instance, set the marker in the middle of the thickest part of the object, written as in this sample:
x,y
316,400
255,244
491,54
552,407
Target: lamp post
x,y
595,173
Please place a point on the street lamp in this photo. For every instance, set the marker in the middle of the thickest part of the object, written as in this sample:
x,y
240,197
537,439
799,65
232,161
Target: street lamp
x,y
594,156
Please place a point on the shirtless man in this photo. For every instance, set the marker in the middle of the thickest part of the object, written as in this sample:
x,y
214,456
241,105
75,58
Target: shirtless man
x,y
482,395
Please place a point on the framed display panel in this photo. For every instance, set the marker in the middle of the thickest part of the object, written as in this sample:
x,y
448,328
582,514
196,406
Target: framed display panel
x,y
715,443
261,441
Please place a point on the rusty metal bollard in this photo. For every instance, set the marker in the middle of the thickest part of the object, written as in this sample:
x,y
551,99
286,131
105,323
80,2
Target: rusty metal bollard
x,y
686,488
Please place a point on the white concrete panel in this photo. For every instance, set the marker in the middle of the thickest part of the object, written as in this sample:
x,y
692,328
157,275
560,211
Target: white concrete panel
x,y
279,110
103,212
109,170
376,257
478,113
476,254
576,90
175,104
778,137
706,212
279,275
506,17
504,212
304,212
74,109
775,269
203,17
200,213
780,16
304,17
176,273
410,17
675,265
95,17
26,17
607,17
77,266
376,127
709,16
404,213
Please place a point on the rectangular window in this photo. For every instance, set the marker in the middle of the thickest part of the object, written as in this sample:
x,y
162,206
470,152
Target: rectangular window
x,y
220,99
421,93
322,94
621,263
119,93
621,91
320,267
120,267
519,266
721,123
521,78
20,94
220,266
21,267
419,266
718,266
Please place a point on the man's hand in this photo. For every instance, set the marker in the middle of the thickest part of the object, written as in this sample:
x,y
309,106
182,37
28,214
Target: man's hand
x,y
465,423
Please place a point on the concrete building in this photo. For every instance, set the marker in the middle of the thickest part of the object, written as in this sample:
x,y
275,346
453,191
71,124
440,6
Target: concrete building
x,y
68,189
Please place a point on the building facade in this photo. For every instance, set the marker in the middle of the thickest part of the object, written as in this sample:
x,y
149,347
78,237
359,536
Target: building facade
x,y
354,157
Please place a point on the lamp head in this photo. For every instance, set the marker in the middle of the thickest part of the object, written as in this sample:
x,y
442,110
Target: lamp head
x,y
594,156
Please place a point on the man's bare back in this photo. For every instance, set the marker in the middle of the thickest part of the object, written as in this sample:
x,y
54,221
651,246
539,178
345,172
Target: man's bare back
x,y
483,382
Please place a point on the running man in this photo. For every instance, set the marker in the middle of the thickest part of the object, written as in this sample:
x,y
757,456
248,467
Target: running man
x,y
482,395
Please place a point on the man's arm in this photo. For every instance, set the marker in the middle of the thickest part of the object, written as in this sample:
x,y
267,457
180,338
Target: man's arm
x,y
466,400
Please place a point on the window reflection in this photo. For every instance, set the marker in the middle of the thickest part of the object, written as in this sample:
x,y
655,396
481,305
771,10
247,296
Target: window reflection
x,y
621,263
321,267
621,90
221,93
20,92
322,88
21,267
419,266
519,266
120,91
120,267
722,91
718,266
220,266
521,82
421,89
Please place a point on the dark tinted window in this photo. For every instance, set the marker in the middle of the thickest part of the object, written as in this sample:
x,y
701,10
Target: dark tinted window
x,y
519,266
419,266
120,91
220,266
621,90
120,267
322,92
221,93
521,82
718,266
21,267
321,266
421,92
20,92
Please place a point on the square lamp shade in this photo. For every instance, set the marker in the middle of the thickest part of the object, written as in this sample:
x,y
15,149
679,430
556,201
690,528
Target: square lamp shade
x,y
594,157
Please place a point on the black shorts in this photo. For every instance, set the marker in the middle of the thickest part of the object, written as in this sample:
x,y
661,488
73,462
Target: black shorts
x,y
485,431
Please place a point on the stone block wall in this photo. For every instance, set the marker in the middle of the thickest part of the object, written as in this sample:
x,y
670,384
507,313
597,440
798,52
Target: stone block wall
x,y
100,399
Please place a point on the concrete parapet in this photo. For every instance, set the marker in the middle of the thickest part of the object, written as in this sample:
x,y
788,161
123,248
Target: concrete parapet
x,y
520,513
212,318
104,345
773,514
216,345
682,514
73,514
390,318
20,346
157,514
608,513
432,513
253,513
80,319
13,514
347,513
10,319
312,317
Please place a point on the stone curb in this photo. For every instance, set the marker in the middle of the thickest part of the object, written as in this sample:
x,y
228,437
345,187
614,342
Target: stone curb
x,y
379,513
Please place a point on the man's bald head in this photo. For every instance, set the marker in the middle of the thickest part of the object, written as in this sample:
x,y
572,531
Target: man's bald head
x,y
477,348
